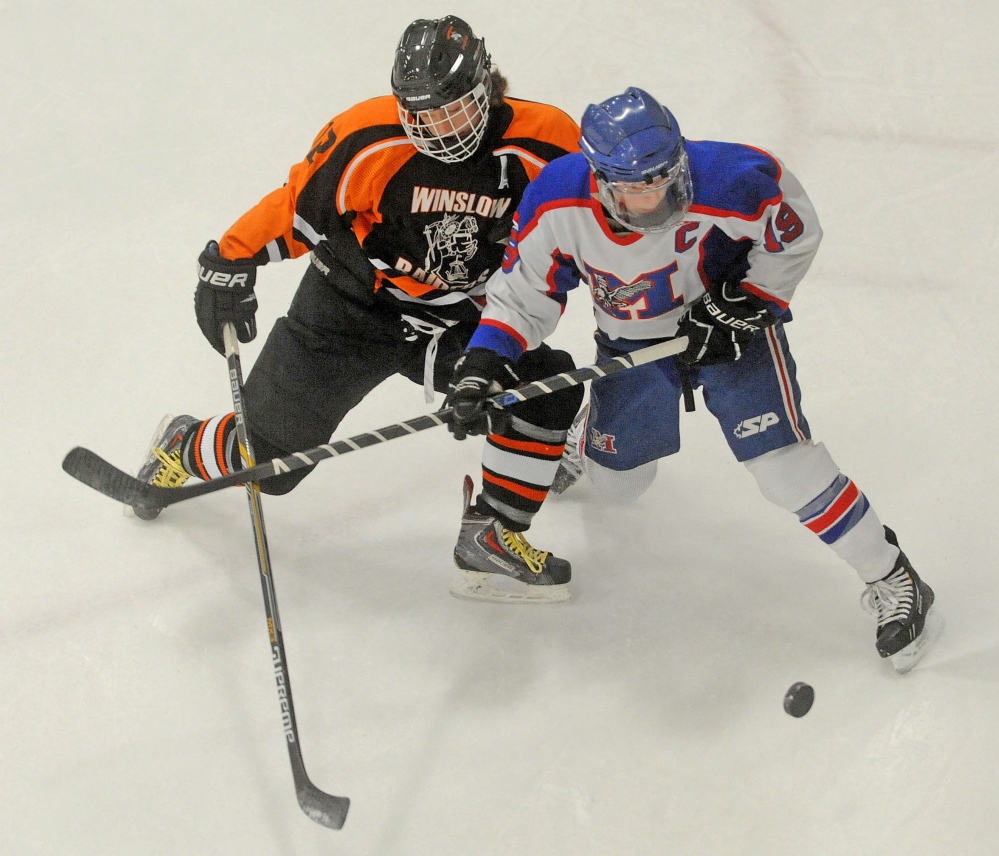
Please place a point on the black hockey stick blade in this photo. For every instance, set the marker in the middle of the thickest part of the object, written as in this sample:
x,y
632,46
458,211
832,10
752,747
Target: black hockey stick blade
x,y
95,472
323,808
91,469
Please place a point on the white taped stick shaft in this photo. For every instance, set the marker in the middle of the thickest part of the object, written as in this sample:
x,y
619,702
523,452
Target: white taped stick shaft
x,y
669,348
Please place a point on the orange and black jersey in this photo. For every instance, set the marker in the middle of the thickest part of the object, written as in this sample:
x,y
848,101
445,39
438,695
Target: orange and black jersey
x,y
433,231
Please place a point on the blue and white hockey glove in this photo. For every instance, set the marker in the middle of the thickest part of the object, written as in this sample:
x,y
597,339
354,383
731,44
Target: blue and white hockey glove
x,y
721,324
225,293
479,374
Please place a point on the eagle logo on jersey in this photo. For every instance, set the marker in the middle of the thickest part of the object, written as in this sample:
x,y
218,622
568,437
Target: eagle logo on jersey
x,y
451,245
617,298
648,295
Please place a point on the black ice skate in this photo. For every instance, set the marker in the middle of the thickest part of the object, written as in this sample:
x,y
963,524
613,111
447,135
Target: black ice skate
x,y
486,549
162,466
902,603
570,468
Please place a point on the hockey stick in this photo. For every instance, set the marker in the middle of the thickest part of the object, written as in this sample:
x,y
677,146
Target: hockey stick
x,y
323,808
94,471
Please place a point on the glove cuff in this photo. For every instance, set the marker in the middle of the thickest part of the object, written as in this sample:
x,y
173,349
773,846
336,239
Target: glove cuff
x,y
732,308
224,274
489,365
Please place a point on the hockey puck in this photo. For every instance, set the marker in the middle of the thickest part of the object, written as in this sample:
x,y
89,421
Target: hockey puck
x,y
798,699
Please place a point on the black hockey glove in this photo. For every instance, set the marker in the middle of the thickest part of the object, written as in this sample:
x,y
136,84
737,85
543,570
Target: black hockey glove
x,y
225,293
721,324
479,373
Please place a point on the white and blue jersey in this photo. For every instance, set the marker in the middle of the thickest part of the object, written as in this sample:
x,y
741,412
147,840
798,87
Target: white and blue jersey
x,y
750,222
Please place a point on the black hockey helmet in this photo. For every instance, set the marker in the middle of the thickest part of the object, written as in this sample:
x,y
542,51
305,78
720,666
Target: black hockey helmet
x,y
442,85
437,62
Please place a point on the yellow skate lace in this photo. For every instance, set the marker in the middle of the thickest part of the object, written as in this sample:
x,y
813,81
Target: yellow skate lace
x,y
170,473
517,544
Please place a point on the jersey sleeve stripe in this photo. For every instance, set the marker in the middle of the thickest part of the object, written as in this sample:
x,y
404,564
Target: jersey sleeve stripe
x,y
544,208
299,225
763,295
499,325
500,338
523,154
723,212
729,178
341,197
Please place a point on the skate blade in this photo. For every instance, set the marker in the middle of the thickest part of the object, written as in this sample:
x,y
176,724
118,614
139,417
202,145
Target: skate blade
x,y
912,653
496,588
152,514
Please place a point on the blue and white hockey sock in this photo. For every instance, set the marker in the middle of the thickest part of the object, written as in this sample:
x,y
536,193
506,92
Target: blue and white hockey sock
x,y
804,479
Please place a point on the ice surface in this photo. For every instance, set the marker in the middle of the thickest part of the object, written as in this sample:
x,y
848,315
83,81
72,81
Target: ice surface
x,y
138,711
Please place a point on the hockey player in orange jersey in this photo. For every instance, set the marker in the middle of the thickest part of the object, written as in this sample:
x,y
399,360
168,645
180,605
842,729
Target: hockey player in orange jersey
x,y
403,204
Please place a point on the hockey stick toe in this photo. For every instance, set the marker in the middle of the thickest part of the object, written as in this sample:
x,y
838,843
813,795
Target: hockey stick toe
x,y
95,472
322,807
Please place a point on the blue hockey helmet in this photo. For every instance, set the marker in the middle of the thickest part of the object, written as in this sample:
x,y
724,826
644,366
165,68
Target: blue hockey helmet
x,y
635,150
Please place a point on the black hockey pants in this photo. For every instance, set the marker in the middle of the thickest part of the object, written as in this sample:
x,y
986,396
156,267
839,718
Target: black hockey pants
x,y
338,342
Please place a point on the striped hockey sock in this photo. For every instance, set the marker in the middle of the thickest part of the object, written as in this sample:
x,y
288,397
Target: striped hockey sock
x,y
835,511
518,468
211,449
804,479
842,517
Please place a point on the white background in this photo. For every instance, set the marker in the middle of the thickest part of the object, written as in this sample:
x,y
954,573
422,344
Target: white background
x,y
138,710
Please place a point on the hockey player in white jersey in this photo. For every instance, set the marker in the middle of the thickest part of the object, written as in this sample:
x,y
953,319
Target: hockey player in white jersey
x,y
707,240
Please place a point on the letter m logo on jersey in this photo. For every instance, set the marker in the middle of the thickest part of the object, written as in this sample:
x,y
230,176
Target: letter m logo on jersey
x,y
603,442
646,296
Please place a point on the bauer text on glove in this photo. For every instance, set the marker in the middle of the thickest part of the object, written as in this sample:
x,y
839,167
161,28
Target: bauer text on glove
x,y
721,324
225,293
